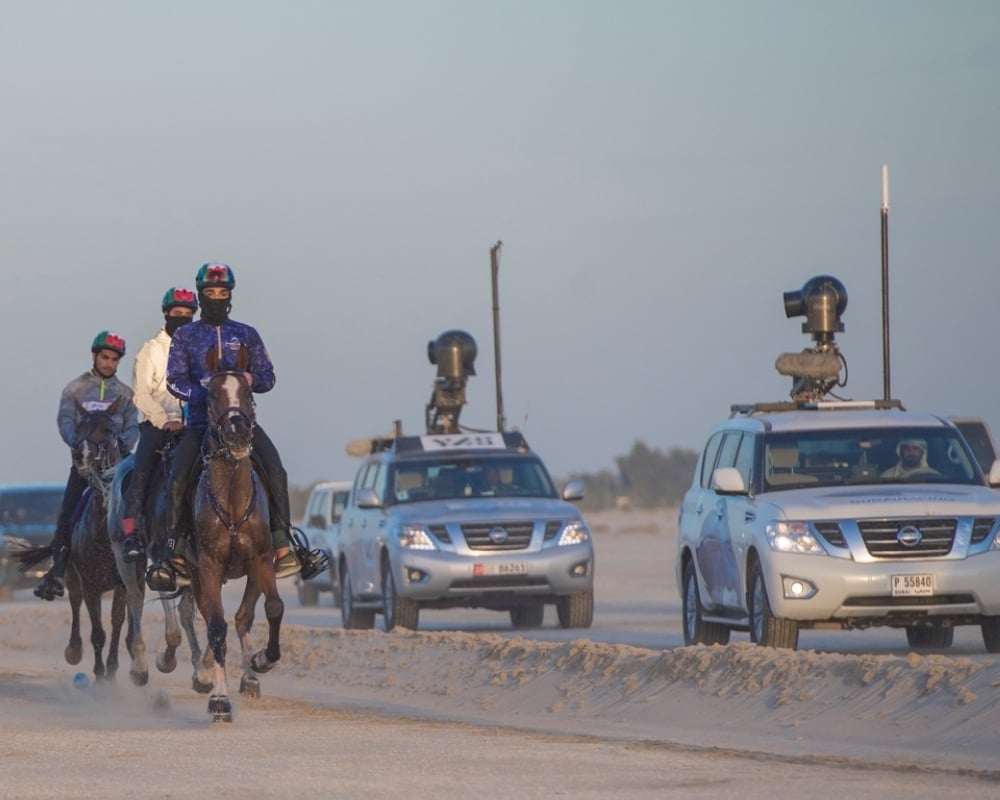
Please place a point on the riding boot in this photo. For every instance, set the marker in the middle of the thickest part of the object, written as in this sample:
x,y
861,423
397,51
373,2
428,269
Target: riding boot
x,y
287,565
132,543
170,572
50,585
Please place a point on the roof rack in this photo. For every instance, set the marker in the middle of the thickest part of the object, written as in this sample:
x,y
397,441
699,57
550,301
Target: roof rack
x,y
746,409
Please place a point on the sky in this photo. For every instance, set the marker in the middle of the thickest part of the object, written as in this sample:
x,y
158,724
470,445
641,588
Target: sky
x,y
659,173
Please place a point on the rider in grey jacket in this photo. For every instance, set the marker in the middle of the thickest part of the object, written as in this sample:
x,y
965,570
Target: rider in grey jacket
x,y
97,389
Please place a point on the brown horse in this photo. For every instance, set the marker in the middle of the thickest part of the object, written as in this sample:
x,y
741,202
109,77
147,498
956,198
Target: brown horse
x,y
232,534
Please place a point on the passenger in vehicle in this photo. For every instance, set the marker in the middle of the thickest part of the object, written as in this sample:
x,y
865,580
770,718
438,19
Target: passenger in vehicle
x,y
912,460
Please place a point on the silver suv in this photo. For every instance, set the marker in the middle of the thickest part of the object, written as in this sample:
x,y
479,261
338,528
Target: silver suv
x,y
839,515
462,520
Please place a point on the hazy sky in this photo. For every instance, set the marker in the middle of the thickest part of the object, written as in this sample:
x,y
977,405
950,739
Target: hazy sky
x,y
659,173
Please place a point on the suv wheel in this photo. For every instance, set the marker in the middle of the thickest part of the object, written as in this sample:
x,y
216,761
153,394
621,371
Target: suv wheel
x,y
696,630
576,610
527,616
353,619
765,628
308,594
933,637
396,610
990,627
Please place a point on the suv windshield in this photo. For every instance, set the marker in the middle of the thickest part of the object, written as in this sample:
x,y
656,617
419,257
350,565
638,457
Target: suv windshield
x,y
29,507
834,457
445,478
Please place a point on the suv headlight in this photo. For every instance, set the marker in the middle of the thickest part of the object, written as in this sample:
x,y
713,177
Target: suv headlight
x,y
574,532
792,537
415,537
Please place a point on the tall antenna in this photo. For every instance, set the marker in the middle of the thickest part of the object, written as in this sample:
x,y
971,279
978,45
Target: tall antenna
x,y
886,386
494,270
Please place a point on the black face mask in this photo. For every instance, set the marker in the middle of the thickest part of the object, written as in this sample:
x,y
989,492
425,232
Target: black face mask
x,y
214,312
173,323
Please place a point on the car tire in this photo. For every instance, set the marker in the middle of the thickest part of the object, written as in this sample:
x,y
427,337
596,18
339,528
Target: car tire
x,y
990,627
696,630
396,610
930,637
353,619
765,628
576,610
308,594
527,616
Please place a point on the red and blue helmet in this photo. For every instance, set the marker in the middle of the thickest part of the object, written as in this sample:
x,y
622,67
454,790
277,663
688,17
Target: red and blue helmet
x,y
108,340
179,297
215,275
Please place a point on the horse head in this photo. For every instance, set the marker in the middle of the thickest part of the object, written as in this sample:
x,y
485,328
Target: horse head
x,y
96,449
230,406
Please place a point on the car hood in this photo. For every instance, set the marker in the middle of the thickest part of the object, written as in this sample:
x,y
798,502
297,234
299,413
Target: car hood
x,y
896,500
499,509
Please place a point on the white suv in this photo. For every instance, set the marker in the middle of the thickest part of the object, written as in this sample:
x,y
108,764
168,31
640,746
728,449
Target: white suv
x,y
800,515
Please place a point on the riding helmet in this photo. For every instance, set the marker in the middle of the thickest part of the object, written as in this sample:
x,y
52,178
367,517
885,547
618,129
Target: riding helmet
x,y
212,274
179,297
108,340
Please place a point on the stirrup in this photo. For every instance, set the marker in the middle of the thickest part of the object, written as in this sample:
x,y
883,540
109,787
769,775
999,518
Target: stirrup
x,y
313,562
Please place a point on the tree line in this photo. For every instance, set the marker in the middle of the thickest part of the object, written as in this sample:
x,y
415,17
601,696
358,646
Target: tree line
x,y
644,478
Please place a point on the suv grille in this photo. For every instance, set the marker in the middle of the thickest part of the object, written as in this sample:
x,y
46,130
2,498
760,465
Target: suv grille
x,y
477,535
937,537
441,532
981,528
832,533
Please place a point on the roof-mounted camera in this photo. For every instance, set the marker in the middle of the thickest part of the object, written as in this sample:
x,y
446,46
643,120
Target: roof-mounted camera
x,y
454,354
815,371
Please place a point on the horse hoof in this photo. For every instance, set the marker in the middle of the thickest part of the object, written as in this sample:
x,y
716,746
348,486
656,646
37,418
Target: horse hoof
x,y
139,678
164,664
260,662
250,686
220,708
199,687
73,655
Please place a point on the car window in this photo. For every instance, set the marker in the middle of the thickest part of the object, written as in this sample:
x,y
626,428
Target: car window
x,y
446,478
744,458
339,504
708,460
978,436
730,446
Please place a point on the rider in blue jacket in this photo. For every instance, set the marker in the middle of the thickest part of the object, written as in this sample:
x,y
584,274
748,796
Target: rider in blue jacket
x,y
187,374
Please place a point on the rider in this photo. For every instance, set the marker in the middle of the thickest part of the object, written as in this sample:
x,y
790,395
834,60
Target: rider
x,y
187,373
161,411
94,390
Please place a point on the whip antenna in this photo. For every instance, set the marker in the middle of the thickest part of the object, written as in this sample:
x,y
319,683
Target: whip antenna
x,y
886,392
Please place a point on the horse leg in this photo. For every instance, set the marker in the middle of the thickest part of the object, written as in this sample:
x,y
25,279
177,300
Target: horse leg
x,y
134,597
274,610
92,599
117,622
167,660
201,661
74,650
209,597
249,683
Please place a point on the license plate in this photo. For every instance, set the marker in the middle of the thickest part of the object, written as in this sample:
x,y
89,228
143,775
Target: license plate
x,y
912,585
500,568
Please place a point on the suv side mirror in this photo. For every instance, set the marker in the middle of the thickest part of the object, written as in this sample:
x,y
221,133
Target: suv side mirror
x,y
368,499
994,476
727,480
573,490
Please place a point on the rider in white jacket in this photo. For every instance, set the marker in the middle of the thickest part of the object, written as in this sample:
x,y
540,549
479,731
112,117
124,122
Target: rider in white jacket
x,y
162,412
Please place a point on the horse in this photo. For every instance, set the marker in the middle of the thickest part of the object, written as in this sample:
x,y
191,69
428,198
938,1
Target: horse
x,y
91,570
232,533
177,616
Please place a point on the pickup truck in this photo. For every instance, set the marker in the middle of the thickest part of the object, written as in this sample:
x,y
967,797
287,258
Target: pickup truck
x,y
321,526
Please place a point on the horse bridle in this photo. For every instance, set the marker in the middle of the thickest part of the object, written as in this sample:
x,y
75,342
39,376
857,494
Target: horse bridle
x,y
99,479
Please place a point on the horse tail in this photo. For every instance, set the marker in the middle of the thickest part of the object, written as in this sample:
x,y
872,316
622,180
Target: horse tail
x,y
28,556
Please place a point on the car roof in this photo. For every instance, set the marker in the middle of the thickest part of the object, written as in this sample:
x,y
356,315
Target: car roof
x,y
337,486
826,416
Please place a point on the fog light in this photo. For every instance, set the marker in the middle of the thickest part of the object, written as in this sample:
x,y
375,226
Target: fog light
x,y
414,575
580,570
797,588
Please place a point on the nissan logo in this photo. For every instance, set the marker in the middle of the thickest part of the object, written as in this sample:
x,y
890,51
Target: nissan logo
x,y
909,536
499,535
